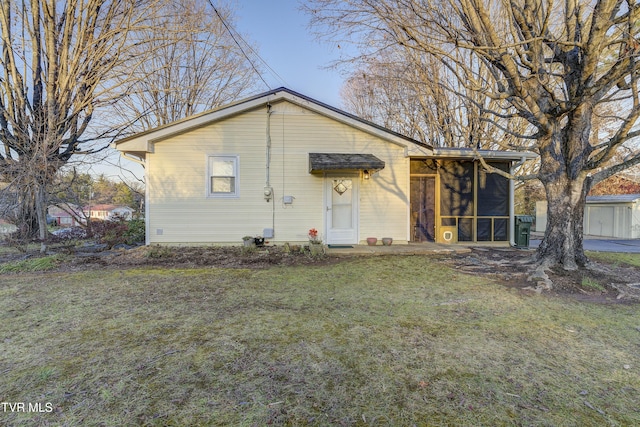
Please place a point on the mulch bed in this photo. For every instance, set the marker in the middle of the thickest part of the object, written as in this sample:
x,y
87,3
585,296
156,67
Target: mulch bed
x,y
512,267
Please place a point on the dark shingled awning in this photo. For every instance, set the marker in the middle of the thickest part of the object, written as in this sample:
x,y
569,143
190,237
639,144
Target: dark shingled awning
x,y
319,162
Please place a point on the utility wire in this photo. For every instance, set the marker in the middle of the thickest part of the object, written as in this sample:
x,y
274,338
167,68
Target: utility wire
x,y
233,36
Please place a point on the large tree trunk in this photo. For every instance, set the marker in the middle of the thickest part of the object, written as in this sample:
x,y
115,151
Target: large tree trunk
x,y
25,217
564,153
562,242
41,215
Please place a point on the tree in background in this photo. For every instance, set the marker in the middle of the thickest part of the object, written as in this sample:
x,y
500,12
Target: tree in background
x,y
83,190
72,188
389,89
554,66
64,63
196,65
615,185
125,195
58,60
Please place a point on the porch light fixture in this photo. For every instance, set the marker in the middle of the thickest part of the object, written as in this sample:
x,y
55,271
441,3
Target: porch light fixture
x,y
365,174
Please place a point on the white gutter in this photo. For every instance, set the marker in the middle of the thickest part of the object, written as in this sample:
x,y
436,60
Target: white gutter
x,y
487,154
512,214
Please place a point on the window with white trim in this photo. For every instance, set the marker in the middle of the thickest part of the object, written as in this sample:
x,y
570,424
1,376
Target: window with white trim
x,y
223,176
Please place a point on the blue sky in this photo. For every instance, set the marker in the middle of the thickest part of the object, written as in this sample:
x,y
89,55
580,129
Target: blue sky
x,y
279,30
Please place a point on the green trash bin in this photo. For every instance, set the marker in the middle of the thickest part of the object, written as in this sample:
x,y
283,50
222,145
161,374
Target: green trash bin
x,y
522,230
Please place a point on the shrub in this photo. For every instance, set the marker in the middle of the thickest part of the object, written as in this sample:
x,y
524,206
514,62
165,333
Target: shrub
x,y
158,251
118,231
109,232
135,232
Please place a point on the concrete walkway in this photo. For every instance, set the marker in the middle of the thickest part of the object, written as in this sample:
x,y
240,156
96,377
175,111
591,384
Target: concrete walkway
x,y
591,243
404,249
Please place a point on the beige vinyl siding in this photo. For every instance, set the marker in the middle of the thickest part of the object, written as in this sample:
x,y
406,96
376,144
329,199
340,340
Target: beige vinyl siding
x,y
177,180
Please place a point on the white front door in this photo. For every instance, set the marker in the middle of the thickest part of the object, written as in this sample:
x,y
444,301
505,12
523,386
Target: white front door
x,y
342,209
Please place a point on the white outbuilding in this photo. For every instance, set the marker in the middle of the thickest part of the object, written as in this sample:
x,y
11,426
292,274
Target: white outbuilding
x,y
616,216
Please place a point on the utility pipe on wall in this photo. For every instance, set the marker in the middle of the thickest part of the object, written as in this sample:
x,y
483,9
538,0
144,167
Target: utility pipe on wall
x,y
268,190
268,153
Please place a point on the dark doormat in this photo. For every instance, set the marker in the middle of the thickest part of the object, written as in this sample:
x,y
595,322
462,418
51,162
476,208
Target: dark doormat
x,y
340,246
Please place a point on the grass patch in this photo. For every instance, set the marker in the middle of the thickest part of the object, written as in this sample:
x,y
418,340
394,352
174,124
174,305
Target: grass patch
x,y
592,285
616,258
6,248
371,341
32,264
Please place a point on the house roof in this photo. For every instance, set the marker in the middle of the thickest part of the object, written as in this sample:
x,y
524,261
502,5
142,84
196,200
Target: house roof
x,y
105,207
64,209
617,198
142,143
337,161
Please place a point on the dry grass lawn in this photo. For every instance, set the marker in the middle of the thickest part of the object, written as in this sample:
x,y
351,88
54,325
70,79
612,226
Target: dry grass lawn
x,y
370,341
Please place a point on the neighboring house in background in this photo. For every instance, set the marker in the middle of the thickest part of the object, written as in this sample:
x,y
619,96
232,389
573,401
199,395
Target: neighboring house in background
x,y
280,163
106,212
66,215
615,185
615,216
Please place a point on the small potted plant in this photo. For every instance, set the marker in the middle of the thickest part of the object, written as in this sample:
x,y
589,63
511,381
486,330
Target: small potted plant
x,y
315,242
248,241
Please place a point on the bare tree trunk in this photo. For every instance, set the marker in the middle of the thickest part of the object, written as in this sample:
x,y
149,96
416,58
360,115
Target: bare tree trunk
x,y
565,182
41,214
26,221
59,63
562,242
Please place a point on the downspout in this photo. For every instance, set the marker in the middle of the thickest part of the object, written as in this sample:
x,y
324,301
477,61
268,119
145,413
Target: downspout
x,y
512,214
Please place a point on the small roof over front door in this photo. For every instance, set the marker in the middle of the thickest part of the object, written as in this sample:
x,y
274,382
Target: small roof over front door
x,y
320,162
